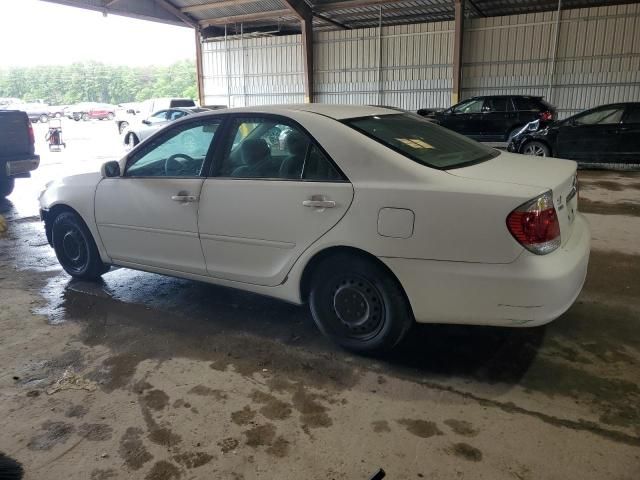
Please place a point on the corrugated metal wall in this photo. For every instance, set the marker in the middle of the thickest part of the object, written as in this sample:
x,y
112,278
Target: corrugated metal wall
x,y
597,60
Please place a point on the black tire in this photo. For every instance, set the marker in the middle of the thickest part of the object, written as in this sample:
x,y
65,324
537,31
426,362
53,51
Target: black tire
x,y
6,186
536,149
85,117
358,304
132,140
122,127
110,116
75,248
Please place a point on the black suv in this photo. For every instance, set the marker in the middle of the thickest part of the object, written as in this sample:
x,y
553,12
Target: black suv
x,y
493,118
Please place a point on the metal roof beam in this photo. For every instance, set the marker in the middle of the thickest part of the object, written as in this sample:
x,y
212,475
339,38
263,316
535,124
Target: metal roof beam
x,y
171,8
300,8
271,15
213,5
330,7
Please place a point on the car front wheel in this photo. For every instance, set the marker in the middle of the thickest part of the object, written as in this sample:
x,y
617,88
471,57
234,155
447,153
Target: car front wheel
x,y
132,140
6,186
75,248
535,148
358,304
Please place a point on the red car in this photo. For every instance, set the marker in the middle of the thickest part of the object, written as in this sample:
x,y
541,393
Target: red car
x,y
88,111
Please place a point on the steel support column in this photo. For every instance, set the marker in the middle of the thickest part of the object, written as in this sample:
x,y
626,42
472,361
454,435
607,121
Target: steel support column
x,y
199,79
307,55
458,35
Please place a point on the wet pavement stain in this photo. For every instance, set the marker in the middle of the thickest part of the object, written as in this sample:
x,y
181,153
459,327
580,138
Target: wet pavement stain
x,y
260,435
132,449
244,416
193,459
228,444
54,433
381,426
467,452
95,432
156,399
273,409
279,448
164,470
420,428
461,427
630,209
76,411
101,474
207,391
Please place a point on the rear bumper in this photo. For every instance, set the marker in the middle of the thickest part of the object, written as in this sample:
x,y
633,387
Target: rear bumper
x,y
15,168
532,290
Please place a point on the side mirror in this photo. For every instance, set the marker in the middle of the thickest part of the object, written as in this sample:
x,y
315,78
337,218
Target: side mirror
x,y
146,122
110,169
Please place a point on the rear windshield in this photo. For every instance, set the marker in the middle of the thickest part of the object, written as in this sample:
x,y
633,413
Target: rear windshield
x,y
423,141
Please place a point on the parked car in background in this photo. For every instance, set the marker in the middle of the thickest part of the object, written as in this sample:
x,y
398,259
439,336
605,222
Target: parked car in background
x,y
17,150
37,112
137,132
607,134
144,109
492,118
90,111
376,218
56,111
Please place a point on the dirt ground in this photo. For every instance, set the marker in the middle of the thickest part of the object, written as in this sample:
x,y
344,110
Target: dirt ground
x,y
149,377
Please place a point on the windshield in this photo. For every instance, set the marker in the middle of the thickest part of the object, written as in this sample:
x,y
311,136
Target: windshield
x,y
422,141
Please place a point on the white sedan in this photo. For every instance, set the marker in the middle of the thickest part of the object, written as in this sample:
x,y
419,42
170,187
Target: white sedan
x,y
377,218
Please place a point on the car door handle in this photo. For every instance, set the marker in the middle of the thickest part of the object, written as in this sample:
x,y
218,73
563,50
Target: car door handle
x,y
314,203
184,198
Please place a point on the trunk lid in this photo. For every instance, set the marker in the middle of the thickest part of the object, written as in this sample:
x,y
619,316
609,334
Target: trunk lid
x,y
553,174
15,142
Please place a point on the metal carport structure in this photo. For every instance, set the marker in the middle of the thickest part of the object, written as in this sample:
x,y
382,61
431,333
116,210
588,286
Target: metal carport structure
x,y
404,53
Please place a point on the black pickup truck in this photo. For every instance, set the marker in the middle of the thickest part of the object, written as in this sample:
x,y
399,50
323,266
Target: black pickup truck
x,y
17,151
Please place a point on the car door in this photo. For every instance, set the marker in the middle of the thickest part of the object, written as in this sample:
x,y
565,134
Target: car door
x,y
152,124
498,118
149,215
466,118
629,136
273,192
591,136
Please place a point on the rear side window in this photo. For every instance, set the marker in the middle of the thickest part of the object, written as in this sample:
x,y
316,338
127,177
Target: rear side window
x,y
422,141
633,114
498,104
526,104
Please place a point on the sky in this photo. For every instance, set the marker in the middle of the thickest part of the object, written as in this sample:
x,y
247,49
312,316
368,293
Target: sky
x,y
33,33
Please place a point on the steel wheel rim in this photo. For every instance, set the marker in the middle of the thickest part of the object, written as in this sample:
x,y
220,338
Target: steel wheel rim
x,y
358,307
74,249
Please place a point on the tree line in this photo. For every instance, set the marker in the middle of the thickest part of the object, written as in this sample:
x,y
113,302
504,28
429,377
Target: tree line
x,y
97,82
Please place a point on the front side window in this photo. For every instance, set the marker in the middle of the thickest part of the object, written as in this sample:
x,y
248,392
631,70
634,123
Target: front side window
x,y
157,117
422,141
175,115
604,116
470,106
273,149
180,154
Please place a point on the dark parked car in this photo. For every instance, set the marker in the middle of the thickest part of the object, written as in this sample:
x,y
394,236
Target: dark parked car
x,y
17,153
493,118
606,134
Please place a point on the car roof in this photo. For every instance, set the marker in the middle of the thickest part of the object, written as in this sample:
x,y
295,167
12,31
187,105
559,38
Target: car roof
x,y
337,112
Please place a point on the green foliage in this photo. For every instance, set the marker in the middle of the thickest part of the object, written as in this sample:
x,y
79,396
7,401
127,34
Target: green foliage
x,y
96,82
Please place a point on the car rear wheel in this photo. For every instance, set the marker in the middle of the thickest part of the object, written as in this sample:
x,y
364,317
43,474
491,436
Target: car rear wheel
x,y
75,248
358,304
44,118
6,186
535,148
132,140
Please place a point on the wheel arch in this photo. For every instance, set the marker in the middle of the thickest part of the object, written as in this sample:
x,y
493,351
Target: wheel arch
x,y
318,257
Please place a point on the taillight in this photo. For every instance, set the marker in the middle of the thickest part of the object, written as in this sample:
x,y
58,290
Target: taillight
x,y
546,116
32,137
535,225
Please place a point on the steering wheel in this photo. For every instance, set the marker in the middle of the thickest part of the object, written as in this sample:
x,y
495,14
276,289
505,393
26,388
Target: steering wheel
x,y
177,164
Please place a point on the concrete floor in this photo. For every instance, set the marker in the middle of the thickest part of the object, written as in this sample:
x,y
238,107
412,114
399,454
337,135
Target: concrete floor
x,y
148,377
